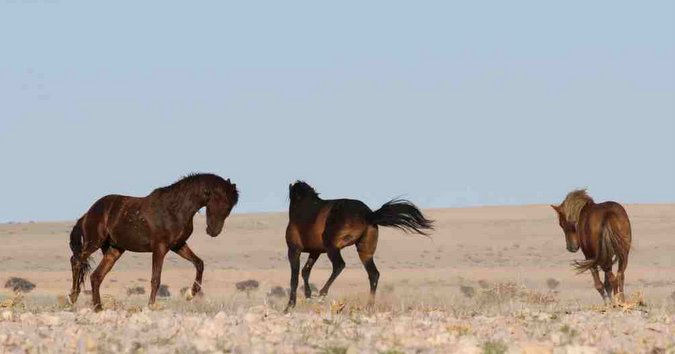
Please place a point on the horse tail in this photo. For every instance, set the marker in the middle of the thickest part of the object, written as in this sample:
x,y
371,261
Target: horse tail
x,y
401,214
614,244
77,246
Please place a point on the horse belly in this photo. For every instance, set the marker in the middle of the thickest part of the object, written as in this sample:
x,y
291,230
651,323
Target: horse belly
x,y
132,233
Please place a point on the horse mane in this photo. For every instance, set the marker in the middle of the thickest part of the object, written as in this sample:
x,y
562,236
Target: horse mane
x,y
207,178
573,203
300,189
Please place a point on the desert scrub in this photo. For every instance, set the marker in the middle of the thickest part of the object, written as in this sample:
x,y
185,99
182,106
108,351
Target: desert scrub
x,y
392,351
494,347
334,349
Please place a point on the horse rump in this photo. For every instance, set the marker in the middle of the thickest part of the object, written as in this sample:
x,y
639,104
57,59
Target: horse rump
x,y
613,245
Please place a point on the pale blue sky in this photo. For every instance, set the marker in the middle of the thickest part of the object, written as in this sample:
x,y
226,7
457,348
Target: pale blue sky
x,y
445,103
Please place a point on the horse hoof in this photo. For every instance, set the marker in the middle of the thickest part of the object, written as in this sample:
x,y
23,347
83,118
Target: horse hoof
x,y
98,308
189,295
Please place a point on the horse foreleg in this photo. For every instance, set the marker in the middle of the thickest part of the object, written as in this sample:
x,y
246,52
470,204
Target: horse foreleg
x,y
158,255
185,252
294,260
306,270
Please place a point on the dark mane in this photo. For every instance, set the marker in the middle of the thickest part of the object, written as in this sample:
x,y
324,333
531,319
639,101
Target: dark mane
x,y
300,189
209,179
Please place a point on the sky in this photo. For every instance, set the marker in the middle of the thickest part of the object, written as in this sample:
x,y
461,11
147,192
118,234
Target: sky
x,y
448,104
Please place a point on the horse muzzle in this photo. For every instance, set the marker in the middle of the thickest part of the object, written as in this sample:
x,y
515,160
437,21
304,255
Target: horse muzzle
x,y
572,249
213,233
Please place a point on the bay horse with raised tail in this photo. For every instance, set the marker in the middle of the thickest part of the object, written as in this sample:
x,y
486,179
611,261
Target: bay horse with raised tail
x,y
317,226
603,233
158,223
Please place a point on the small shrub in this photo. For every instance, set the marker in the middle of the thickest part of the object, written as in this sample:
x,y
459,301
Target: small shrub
x,y
494,347
247,285
19,285
136,290
277,291
468,291
163,291
392,351
552,283
334,350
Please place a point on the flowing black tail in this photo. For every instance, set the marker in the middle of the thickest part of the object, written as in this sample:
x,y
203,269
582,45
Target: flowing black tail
x,y
403,215
77,245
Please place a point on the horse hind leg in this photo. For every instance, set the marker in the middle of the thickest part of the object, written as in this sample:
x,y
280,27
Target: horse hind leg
x,y
366,249
623,263
598,285
111,256
338,265
611,284
80,268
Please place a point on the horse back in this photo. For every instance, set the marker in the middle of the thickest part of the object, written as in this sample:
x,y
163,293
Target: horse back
x,y
308,223
107,218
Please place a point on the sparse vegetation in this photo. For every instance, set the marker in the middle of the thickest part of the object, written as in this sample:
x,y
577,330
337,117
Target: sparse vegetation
x,y
334,350
19,285
494,347
136,290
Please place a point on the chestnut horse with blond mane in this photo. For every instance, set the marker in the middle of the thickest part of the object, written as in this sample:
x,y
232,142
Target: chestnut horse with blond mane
x,y
603,233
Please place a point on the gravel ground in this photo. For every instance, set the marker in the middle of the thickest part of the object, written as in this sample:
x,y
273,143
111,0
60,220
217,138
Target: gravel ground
x,y
508,324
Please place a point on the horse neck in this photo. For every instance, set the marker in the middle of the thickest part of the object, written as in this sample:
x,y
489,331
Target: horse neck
x,y
185,201
583,209
307,205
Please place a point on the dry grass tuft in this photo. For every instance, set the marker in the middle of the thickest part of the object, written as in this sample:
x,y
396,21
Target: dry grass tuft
x,y
337,306
15,301
459,329
635,301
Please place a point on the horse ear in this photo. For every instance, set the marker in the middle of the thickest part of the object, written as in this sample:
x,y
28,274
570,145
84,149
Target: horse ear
x,y
556,208
228,180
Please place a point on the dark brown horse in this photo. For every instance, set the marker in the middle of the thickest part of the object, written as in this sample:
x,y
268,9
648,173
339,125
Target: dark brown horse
x,y
158,223
317,226
603,232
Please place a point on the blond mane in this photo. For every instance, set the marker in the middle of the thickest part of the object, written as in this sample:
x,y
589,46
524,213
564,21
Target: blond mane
x,y
573,203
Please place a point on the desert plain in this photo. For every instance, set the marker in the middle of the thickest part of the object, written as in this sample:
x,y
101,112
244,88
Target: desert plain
x,y
489,280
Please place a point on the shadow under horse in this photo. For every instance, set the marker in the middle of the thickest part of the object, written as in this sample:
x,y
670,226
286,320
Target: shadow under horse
x,y
603,233
158,223
319,226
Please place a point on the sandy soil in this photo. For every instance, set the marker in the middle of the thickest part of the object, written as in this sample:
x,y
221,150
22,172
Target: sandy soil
x,y
484,282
